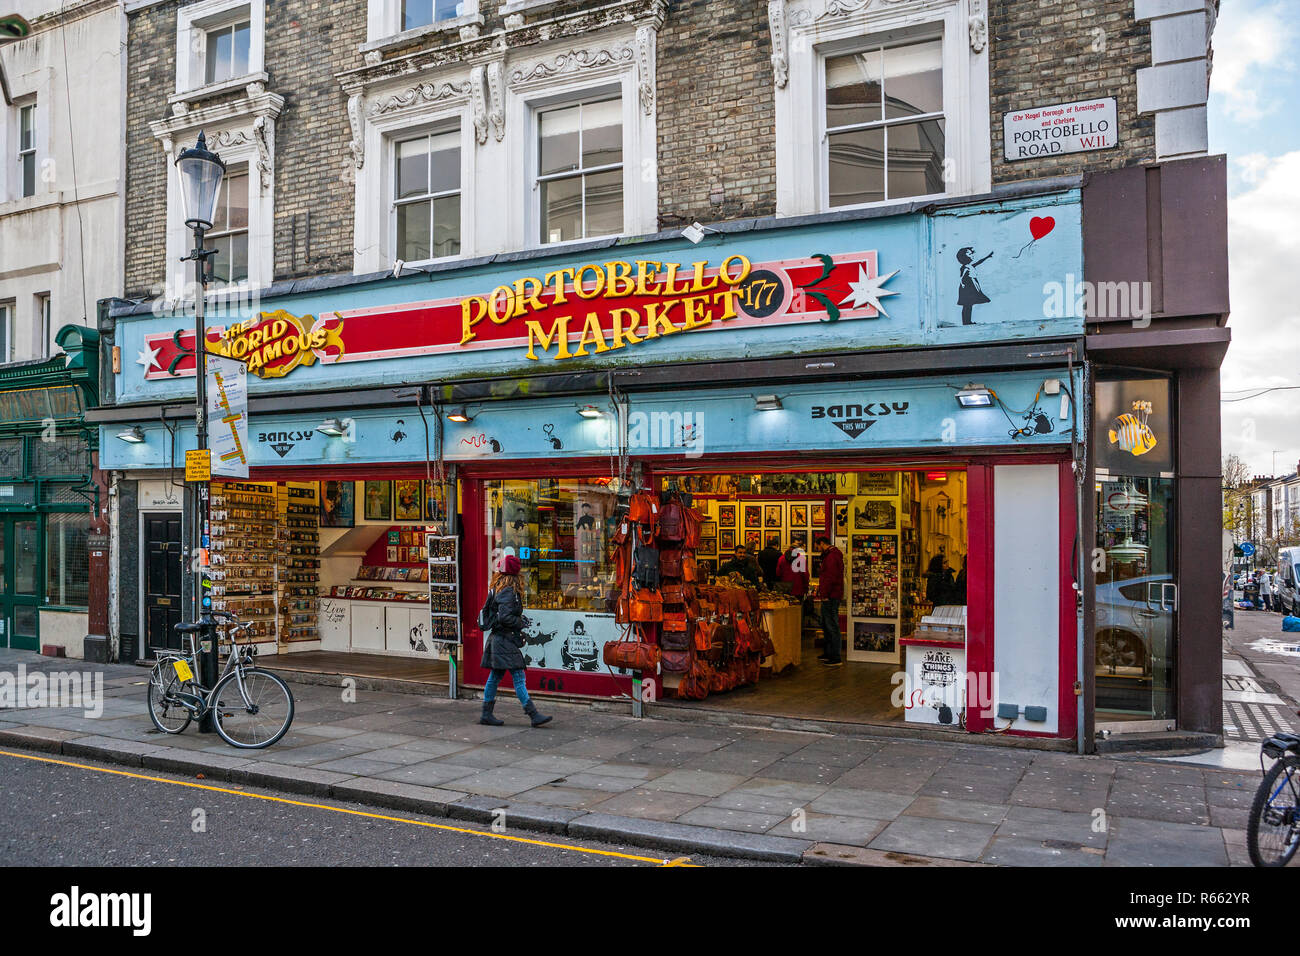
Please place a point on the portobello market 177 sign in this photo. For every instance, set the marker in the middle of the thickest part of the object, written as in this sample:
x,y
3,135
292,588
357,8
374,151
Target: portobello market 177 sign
x,y
574,312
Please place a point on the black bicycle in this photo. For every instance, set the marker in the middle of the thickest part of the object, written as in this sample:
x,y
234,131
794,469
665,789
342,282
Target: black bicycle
x,y
1273,832
251,708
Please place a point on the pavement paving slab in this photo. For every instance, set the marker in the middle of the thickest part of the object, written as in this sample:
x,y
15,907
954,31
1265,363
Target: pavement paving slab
x,y
1136,842
927,836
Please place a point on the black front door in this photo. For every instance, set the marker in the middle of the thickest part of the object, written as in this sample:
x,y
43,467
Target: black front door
x,y
162,582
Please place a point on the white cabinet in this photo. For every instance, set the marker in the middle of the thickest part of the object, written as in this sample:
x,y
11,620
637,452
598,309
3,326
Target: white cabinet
x,y
367,626
335,619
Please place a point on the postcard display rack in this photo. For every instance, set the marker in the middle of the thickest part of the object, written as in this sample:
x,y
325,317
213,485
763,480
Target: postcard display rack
x,y
882,560
266,558
299,584
444,602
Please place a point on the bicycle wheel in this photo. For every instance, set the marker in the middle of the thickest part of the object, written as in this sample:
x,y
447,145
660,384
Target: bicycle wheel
x,y
166,712
1273,831
263,720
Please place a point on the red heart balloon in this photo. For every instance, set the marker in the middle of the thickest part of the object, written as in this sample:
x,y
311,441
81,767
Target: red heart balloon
x,y
1041,226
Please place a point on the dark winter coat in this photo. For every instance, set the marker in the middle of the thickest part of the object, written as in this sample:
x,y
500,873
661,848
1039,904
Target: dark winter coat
x,y
502,648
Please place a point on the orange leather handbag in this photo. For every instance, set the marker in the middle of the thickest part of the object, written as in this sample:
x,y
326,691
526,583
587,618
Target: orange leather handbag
x,y
646,607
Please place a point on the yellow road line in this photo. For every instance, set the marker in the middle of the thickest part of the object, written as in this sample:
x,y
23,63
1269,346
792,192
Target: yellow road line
x,y
680,861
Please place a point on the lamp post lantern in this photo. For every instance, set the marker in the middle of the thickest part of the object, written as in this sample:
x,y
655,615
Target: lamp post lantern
x,y
201,173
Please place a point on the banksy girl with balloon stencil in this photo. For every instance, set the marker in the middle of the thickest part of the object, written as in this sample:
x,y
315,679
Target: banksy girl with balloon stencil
x,y
970,293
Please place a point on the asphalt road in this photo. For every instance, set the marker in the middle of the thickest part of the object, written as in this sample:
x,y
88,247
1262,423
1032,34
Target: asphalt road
x,y
1258,637
95,815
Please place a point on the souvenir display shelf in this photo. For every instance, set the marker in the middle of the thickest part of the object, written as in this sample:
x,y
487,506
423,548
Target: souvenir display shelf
x,y
444,588
299,577
243,555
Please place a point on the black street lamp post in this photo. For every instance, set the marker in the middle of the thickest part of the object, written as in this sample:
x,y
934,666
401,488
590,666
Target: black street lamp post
x,y
201,173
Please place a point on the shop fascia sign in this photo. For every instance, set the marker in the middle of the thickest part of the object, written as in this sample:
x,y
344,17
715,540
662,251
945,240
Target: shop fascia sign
x,y
572,312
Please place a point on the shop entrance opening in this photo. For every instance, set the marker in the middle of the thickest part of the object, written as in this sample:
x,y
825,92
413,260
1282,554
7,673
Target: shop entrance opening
x,y
901,540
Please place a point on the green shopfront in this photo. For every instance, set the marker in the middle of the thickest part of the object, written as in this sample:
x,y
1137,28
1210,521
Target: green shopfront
x,y
48,496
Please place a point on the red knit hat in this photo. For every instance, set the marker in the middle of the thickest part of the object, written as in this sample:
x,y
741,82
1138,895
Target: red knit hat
x,y
510,565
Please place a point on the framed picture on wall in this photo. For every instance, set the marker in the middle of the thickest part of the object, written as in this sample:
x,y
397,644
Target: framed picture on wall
x,y
726,516
878,483
407,500
818,517
753,516
378,500
773,516
338,504
753,540
874,515
434,501
708,546
727,540
798,516
708,529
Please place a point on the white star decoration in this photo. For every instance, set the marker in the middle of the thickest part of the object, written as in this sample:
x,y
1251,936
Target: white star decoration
x,y
148,358
868,291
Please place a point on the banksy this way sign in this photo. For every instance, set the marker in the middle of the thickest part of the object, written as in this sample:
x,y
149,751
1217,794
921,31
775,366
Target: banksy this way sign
x,y
1063,128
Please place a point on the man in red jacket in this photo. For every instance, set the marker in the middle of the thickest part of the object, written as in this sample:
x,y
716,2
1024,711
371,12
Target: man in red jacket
x,y
830,590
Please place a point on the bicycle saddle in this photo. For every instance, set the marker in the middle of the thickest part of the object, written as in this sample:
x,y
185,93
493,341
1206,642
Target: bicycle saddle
x,y
190,628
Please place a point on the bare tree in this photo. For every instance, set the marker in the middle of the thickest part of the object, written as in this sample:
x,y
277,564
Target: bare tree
x,y
1235,472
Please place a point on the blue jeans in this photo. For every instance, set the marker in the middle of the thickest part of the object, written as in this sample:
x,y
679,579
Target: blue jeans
x,y
516,676
831,627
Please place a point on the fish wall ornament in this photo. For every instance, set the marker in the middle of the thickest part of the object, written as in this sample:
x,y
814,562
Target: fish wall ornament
x,y
1131,432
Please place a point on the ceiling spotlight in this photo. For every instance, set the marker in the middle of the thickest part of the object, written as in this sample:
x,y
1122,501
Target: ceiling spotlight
x,y
134,435
332,427
974,396
589,411
459,414
767,403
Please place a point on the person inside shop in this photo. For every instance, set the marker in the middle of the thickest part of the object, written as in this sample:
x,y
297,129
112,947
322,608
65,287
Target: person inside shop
x,y
767,559
792,570
830,591
503,623
959,586
741,564
939,580
587,522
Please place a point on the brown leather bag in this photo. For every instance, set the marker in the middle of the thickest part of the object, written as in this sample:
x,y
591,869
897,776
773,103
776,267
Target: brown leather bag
x,y
646,606
673,594
674,621
695,685
644,509
670,564
675,640
690,570
675,662
632,655
704,632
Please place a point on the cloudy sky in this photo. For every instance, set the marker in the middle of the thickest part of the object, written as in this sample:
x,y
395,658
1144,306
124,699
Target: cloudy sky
x,y
1254,91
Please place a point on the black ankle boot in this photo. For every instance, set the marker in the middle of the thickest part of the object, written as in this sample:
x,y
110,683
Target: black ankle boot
x,y
487,717
537,718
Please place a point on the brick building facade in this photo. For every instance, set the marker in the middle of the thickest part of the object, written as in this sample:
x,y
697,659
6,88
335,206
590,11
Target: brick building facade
x,y
413,185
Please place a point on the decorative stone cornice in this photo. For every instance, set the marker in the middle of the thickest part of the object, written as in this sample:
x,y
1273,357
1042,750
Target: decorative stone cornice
x,y
496,99
572,61
246,121
780,29
978,27
645,64
356,103
419,95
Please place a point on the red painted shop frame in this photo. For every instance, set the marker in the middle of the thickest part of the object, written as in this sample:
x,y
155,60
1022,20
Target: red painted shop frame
x,y
982,573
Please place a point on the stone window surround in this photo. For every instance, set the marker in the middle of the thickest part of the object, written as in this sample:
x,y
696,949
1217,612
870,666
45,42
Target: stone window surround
x,y
495,97
445,104
200,17
240,132
805,31
384,32
640,173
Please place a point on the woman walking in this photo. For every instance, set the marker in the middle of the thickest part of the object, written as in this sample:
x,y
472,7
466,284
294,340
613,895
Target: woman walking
x,y
503,623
